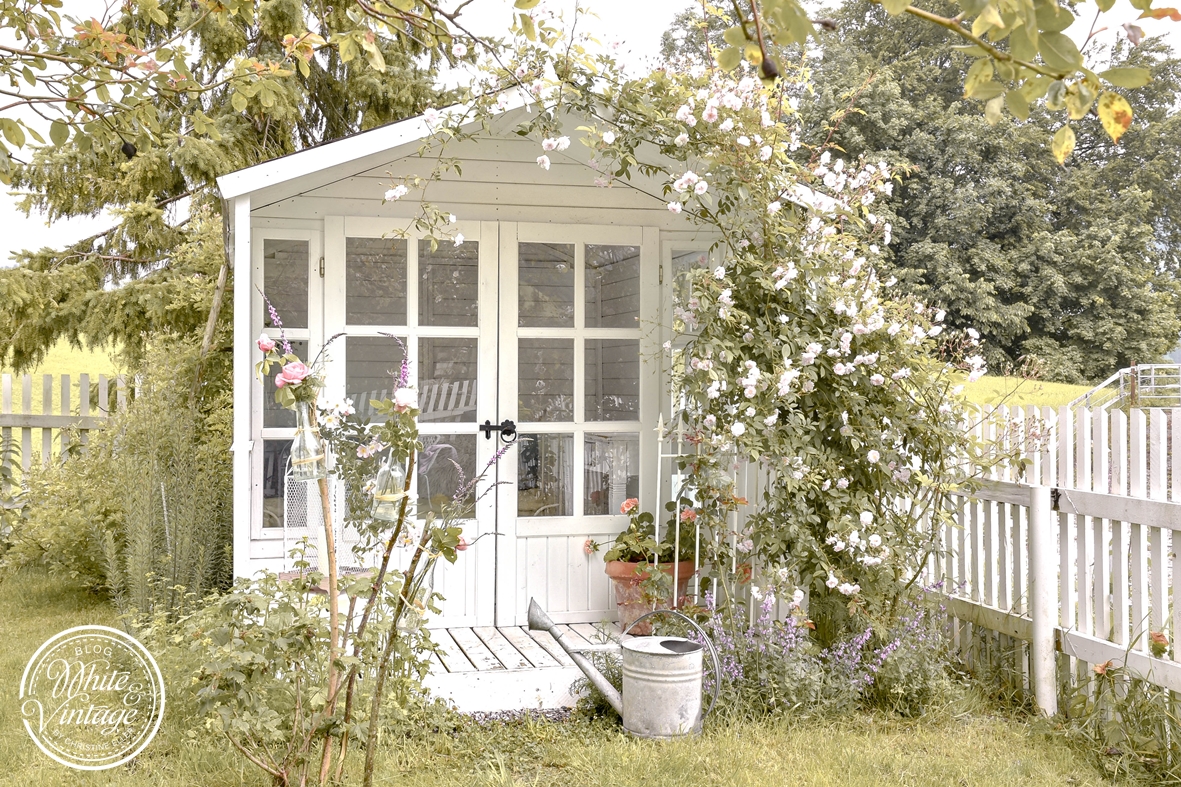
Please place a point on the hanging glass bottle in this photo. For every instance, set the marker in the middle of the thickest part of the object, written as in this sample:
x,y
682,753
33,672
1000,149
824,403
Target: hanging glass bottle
x,y
415,613
389,489
309,455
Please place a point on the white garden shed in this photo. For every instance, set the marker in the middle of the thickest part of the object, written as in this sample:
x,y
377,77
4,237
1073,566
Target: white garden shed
x,y
551,314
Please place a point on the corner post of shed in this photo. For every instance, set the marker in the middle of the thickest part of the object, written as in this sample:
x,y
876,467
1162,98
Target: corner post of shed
x,y
243,374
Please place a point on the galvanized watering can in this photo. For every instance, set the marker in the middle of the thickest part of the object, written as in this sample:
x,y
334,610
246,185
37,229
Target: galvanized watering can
x,y
662,677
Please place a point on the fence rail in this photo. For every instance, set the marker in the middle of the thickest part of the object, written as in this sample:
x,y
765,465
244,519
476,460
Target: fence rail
x,y
1073,563
42,424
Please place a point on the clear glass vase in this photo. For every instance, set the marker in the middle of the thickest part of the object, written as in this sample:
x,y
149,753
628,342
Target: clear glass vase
x,y
389,489
414,614
309,454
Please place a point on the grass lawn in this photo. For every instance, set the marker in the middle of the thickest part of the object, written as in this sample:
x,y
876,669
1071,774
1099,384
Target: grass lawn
x,y
962,744
1017,391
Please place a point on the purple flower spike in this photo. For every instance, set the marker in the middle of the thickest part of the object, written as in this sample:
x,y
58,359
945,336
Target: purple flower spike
x,y
276,322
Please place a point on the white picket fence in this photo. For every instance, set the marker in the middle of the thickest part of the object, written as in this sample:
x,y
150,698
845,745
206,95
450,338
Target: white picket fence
x,y
1068,562
63,408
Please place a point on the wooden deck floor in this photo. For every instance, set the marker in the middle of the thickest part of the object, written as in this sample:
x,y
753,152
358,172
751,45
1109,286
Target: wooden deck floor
x,y
493,669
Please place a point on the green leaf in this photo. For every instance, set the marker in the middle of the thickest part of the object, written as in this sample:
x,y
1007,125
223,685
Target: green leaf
x,y
12,132
1053,18
988,19
994,110
1127,77
735,36
525,5
988,90
1079,98
59,133
729,58
895,7
1056,96
1063,144
1105,5
375,58
527,27
979,73
1059,52
1018,106
1036,87
238,101
29,77
1021,45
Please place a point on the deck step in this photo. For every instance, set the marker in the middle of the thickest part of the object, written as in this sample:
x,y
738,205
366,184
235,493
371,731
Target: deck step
x,y
449,653
590,632
538,656
504,650
546,641
475,649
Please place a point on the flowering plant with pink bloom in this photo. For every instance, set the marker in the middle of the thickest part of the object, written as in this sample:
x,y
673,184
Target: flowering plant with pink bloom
x,y
296,381
639,542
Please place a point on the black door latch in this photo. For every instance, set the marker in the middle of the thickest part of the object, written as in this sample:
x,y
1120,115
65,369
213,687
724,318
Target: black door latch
x,y
507,429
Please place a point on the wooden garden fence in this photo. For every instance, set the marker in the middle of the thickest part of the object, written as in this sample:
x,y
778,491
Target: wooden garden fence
x,y
1071,563
33,425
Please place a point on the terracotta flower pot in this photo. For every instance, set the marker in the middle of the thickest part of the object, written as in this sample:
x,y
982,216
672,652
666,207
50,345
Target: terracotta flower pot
x,y
629,595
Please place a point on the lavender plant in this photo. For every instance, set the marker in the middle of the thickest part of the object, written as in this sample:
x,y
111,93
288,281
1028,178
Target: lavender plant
x,y
774,665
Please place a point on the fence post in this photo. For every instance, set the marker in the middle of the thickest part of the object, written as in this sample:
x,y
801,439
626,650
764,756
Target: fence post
x,y
1043,592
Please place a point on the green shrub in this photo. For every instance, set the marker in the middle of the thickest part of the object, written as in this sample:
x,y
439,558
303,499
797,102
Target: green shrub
x,y
144,514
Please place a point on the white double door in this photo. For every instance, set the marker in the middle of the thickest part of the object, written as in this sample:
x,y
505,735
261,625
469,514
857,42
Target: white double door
x,y
555,329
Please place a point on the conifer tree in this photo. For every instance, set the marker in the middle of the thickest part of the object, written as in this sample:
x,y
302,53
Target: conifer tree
x,y
153,171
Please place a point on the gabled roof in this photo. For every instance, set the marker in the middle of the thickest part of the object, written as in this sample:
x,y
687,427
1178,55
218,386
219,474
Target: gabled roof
x,y
364,149
322,164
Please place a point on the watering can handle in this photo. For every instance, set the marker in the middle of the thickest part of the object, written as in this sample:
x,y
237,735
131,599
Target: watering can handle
x,y
713,654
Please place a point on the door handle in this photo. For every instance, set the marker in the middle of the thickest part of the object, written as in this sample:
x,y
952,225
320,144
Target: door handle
x,y
507,429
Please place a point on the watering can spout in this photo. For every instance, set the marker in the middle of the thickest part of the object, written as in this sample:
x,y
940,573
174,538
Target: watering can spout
x,y
539,621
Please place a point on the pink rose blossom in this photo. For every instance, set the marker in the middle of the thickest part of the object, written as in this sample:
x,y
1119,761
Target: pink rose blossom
x,y
405,399
462,545
628,505
266,343
293,373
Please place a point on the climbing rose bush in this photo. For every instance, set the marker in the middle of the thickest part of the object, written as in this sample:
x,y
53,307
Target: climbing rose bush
x,y
791,353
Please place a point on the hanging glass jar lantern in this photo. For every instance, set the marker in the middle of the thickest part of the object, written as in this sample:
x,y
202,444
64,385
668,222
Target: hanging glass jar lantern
x,y
389,489
309,455
414,614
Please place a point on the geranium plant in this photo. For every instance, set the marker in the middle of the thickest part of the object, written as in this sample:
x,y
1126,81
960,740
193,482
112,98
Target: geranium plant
x,y
638,543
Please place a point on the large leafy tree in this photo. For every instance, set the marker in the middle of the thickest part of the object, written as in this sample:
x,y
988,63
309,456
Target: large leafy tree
x,y
1075,265
147,152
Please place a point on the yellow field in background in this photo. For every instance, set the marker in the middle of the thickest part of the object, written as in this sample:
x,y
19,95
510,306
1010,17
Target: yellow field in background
x,y
1016,391
62,359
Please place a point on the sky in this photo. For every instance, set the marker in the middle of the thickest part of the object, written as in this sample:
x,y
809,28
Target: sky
x,y
637,24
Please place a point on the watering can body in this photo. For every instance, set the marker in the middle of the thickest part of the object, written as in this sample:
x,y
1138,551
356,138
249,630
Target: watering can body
x,y
662,679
